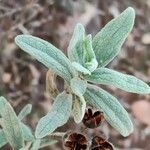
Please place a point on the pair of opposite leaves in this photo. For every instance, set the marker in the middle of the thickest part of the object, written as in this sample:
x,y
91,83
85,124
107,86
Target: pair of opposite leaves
x,y
87,57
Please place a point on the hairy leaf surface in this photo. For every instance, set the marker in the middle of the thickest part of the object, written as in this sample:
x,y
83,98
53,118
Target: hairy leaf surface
x,y
36,144
27,133
75,51
113,111
57,117
80,68
78,110
3,139
89,57
107,43
125,82
25,111
78,86
47,54
11,125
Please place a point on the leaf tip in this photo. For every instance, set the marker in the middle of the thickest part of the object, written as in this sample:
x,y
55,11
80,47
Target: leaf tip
x,y
17,38
126,133
130,11
79,25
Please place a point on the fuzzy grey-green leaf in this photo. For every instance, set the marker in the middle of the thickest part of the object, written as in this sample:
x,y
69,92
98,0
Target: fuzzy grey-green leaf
x,y
78,110
25,111
125,82
80,68
75,47
57,117
89,57
3,139
27,133
78,86
113,111
47,54
107,43
36,144
11,125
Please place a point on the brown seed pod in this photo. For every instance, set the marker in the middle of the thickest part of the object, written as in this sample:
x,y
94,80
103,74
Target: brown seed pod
x,y
92,120
75,141
99,143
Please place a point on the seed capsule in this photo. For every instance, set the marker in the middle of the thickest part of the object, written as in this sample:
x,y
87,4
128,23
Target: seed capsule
x,y
99,143
75,141
92,120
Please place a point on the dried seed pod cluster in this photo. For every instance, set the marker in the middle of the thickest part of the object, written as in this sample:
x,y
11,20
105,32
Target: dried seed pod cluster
x,y
76,141
99,143
92,120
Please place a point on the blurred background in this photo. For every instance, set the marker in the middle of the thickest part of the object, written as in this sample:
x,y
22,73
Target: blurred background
x,y
22,79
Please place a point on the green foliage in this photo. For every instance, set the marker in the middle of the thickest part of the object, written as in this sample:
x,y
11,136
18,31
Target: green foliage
x,y
125,82
114,113
11,125
80,68
87,58
25,111
56,117
17,133
3,140
47,54
75,51
27,133
78,109
78,86
109,40
36,144
80,51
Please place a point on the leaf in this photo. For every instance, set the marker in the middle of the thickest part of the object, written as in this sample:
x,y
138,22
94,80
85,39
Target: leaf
x,y
25,111
78,110
80,49
11,125
90,61
47,142
113,111
125,82
3,140
27,133
51,86
107,43
47,54
78,86
75,48
80,68
36,144
57,117
92,65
